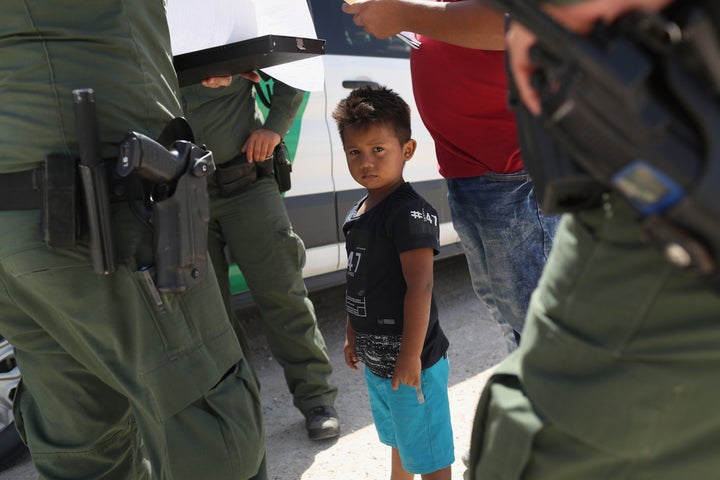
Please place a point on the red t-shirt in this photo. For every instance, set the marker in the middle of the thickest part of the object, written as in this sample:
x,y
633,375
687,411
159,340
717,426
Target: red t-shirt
x,y
461,95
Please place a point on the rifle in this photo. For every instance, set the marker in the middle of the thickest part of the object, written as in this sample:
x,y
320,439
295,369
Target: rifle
x,y
635,104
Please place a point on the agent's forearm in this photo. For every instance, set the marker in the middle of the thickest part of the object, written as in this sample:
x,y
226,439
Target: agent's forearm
x,y
285,102
472,24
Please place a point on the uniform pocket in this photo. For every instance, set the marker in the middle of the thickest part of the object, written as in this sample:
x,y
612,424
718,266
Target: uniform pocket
x,y
232,177
503,433
17,412
236,404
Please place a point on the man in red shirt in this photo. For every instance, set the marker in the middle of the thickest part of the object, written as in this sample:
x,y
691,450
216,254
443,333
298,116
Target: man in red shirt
x,y
461,94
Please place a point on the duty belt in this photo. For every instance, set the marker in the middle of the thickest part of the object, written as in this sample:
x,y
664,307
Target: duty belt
x,y
20,190
23,190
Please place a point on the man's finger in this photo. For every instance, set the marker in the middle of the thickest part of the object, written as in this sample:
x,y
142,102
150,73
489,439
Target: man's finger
x,y
519,40
217,82
252,76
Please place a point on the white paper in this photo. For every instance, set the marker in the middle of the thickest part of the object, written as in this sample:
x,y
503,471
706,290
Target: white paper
x,y
197,25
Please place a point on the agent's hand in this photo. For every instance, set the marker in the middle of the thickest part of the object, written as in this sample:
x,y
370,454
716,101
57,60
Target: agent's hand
x,y
577,17
407,371
217,82
380,18
260,145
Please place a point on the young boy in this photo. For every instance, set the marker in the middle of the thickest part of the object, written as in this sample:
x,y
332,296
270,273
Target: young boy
x,y
391,238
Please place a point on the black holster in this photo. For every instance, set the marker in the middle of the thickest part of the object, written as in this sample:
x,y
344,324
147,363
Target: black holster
x,y
181,229
176,181
282,167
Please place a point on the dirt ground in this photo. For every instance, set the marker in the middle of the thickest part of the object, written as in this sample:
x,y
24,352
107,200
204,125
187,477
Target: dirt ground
x,y
476,347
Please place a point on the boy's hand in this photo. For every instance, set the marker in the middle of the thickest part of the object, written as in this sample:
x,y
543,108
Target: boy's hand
x,y
351,358
407,371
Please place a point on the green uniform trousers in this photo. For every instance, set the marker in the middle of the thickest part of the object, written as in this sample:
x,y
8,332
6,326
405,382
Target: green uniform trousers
x,y
107,368
616,373
255,227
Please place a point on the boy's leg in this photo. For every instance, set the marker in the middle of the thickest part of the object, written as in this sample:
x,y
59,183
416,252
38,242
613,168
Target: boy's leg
x,y
442,474
397,471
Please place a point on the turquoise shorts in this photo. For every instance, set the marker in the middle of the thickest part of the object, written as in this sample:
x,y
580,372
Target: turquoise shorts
x,y
415,421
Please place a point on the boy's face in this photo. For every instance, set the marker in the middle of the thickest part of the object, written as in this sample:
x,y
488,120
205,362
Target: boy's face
x,y
375,156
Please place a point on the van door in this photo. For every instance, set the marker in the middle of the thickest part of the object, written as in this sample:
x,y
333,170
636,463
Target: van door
x,y
354,58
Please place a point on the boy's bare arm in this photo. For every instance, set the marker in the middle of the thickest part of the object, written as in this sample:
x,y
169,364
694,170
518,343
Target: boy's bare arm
x,y
351,358
417,266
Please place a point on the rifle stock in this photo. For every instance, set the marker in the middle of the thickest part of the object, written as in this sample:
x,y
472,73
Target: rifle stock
x,y
629,107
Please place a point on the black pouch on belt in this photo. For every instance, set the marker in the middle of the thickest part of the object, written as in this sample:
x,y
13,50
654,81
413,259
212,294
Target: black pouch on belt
x,y
231,177
283,167
59,223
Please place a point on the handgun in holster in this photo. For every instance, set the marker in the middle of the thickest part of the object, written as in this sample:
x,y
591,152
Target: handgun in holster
x,y
180,206
635,106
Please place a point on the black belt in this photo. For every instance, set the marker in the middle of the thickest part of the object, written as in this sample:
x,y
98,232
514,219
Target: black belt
x,y
20,190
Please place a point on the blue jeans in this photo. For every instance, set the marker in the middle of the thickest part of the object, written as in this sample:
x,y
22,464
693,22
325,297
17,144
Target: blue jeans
x,y
506,239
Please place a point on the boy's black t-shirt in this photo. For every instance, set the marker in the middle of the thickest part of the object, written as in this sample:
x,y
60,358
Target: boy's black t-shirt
x,y
375,283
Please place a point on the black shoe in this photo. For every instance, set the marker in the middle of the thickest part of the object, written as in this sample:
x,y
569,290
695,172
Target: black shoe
x,y
322,422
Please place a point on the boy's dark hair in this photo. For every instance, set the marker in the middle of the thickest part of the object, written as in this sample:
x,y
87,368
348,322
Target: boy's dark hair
x,y
367,106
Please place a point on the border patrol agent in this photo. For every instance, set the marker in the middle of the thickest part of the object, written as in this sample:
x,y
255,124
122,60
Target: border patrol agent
x,y
113,369
248,216
616,374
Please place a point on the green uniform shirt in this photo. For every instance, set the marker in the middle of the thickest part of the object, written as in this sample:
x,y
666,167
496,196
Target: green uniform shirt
x,y
38,74
223,118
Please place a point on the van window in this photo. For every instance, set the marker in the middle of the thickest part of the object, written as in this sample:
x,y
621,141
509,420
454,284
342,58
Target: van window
x,y
343,37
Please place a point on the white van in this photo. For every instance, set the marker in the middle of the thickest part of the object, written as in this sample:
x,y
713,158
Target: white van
x,y
322,188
